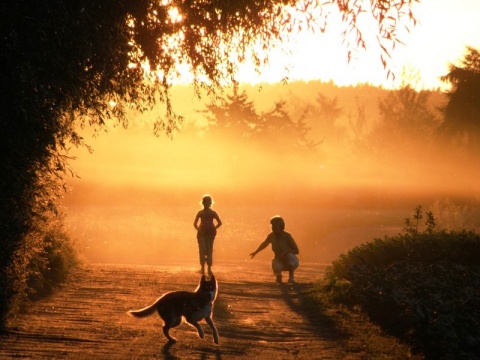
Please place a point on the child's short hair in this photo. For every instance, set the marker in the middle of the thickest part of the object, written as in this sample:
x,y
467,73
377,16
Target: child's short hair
x,y
207,199
277,219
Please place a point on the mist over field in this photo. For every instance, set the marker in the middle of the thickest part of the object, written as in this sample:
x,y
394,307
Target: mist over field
x,y
138,194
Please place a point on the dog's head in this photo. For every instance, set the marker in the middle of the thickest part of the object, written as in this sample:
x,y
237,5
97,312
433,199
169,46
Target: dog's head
x,y
208,288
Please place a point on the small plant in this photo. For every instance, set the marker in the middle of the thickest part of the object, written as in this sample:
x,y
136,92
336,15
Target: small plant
x,y
411,226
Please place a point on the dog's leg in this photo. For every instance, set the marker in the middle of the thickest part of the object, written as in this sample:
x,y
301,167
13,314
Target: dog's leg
x,y
199,328
170,323
166,330
214,329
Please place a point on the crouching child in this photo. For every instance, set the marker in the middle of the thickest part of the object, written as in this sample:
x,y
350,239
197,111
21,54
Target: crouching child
x,y
284,248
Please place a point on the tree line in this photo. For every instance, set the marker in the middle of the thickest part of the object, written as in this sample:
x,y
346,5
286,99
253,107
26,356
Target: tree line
x,y
404,119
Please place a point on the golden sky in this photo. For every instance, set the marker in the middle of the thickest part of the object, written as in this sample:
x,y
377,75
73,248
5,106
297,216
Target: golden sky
x,y
444,29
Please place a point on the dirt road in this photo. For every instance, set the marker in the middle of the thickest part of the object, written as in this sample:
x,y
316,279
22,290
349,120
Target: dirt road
x,y
86,318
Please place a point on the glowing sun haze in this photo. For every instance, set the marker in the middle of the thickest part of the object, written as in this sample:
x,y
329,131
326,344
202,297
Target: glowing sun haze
x,y
138,194
443,31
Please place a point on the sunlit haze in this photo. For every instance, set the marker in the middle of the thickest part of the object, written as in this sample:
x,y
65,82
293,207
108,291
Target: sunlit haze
x,y
137,195
443,31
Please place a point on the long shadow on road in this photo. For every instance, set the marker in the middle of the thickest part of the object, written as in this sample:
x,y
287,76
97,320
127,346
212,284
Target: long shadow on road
x,y
275,317
296,296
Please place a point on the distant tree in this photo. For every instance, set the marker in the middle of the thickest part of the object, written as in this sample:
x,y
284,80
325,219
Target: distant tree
x,y
358,122
284,134
462,112
405,117
324,114
66,64
233,115
328,107
405,112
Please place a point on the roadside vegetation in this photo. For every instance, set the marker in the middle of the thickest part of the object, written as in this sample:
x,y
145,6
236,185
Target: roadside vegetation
x,y
43,261
421,286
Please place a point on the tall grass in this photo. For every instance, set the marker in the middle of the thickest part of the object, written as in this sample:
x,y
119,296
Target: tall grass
x,y
422,286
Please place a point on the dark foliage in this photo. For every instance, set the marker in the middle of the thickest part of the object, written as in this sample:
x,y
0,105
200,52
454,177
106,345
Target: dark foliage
x,y
462,112
420,286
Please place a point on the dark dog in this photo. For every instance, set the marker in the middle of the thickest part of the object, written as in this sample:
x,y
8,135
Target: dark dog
x,y
193,306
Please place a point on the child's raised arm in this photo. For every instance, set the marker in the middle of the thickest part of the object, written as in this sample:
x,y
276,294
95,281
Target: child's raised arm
x,y
262,246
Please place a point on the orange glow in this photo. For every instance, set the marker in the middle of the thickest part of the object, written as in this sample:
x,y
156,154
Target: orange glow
x,y
138,195
443,31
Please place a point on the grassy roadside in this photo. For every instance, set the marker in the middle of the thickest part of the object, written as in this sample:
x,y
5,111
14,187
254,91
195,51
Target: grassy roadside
x,y
416,292
422,288
364,336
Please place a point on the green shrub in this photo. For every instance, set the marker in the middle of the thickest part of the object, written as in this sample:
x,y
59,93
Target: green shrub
x,y
424,287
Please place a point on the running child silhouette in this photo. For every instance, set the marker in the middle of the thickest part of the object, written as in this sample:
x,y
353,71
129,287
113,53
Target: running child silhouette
x,y
206,232
284,248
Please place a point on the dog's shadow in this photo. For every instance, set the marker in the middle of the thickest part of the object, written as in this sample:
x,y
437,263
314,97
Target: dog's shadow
x,y
167,354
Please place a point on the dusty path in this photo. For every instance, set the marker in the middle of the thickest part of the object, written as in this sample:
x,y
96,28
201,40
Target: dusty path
x,y
86,318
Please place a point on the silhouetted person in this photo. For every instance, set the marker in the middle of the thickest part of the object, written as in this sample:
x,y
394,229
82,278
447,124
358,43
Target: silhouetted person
x,y
206,232
284,248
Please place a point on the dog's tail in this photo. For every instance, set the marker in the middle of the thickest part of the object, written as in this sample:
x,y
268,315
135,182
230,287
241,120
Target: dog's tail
x,y
147,311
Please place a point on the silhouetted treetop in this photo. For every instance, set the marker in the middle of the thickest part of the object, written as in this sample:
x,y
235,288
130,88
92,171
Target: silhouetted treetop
x,y
233,115
235,118
462,112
